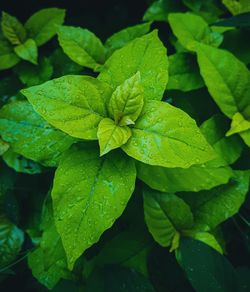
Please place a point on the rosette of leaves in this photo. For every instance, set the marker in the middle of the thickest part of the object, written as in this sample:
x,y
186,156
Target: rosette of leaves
x,y
21,41
122,110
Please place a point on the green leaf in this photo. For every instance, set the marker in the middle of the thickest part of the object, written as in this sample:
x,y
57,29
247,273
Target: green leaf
x,y
30,136
146,55
20,163
82,46
246,137
214,130
237,6
160,9
48,261
27,51
206,269
3,147
89,194
124,36
227,79
127,101
184,73
32,75
8,58
206,238
12,29
239,124
239,21
210,10
210,208
192,179
42,25
166,136
111,135
73,104
166,215
11,238
190,29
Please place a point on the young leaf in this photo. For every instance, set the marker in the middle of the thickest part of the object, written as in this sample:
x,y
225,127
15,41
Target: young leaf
x,y
27,51
12,29
227,79
42,25
166,215
184,73
121,38
111,135
190,29
126,102
8,58
89,194
30,136
32,75
11,238
63,65
239,124
82,46
166,136
210,208
73,104
146,55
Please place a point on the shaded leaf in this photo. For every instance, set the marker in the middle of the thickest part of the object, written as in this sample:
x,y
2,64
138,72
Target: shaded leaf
x,y
12,29
42,25
166,215
11,240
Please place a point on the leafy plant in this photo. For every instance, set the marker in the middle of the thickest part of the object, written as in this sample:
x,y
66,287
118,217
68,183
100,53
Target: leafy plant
x,y
21,42
150,151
